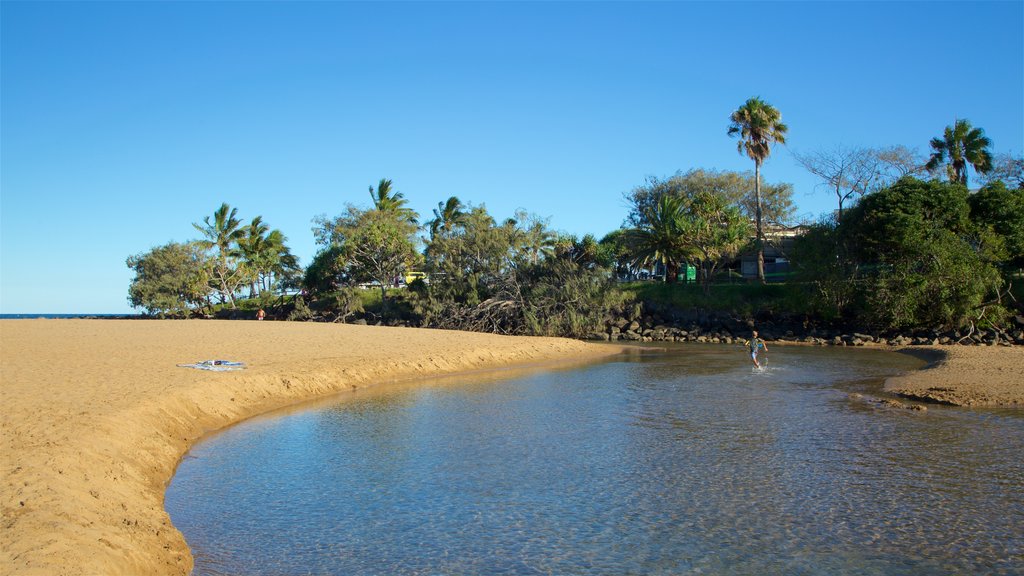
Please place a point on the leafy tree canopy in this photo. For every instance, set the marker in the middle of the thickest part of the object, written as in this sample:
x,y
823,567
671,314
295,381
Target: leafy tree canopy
x,y
921,260
736,188
170,280
1001,209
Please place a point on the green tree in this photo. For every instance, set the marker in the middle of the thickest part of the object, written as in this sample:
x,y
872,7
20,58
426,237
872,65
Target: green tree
x,y
223,234
823,264
660,235
532,237
1001,210
387,199
379,246
447,217
326,272
170,280
585,252
512,277
252,249
737,188
468,264
960,146
925,264
617,249
715,231
267,256
758,125
564,295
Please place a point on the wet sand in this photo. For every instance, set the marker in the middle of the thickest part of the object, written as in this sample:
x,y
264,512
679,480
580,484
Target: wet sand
x,y
965,376
96,416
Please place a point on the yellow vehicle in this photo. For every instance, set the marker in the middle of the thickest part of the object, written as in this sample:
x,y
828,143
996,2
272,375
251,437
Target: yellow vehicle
x,y
412,276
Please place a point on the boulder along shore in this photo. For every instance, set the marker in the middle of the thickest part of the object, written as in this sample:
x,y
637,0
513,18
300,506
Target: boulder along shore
x,y
97,414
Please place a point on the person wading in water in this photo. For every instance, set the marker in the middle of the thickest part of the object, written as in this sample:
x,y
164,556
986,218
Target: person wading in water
x,y
756,345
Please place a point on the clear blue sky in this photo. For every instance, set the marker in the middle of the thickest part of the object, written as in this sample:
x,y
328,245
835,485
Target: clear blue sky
x,y
123,123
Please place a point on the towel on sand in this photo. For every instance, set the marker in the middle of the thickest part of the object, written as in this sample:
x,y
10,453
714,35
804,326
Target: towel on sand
x,y
215,365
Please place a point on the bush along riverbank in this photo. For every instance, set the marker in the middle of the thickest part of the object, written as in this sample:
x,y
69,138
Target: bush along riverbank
x,y
644,324
653,321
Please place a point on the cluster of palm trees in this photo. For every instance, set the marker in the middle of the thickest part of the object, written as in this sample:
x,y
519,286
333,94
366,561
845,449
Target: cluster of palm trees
x,y
528,234
250,255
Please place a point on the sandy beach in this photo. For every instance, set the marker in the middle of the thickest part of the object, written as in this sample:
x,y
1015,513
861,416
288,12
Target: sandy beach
x,y
965,376
96,414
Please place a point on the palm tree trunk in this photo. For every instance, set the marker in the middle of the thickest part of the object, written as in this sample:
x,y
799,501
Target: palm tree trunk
x,y
759,241
671,271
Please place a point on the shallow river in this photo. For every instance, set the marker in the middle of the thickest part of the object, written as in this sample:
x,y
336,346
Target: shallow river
x,y
684,461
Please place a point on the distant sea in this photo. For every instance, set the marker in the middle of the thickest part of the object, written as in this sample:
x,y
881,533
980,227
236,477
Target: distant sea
x,y
31,316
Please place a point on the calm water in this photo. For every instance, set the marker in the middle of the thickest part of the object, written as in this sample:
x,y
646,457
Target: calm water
x,y
680,462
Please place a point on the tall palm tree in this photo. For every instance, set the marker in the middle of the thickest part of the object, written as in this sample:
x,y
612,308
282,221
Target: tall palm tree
x,y
447,216
223,233
964,146
660,237
758,125
387,200
252,246
278,258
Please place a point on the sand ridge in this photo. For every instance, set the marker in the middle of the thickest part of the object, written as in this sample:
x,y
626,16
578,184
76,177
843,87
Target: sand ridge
x,y
96,415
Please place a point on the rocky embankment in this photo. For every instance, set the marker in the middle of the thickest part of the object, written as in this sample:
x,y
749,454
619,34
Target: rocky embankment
x,y
700,326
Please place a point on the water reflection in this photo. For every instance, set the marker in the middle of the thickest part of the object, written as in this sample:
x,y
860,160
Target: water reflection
x,y
681,461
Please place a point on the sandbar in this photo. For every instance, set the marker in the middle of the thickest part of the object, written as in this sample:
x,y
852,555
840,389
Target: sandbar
x,y
976,376
96,415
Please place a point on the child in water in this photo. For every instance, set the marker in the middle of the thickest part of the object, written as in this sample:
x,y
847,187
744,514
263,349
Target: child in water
x,y
756,344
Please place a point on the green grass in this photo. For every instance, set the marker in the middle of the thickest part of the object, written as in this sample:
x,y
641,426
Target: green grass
x,y
742,299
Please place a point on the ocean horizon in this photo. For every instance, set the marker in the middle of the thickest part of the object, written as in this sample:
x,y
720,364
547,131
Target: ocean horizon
x,y
62,316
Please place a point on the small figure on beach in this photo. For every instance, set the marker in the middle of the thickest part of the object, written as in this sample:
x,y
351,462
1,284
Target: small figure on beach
x,y
756,345
260,315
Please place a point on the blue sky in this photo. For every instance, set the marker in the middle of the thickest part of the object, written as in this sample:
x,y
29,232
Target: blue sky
x,y
123,123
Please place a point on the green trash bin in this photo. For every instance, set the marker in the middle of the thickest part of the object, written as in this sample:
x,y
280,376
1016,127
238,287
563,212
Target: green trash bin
x,y
687,274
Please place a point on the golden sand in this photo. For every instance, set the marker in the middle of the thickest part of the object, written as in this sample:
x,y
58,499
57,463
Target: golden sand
x,y
96,416
965,376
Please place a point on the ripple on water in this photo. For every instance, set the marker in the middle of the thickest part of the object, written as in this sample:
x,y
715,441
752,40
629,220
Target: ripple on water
x,y
681,462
